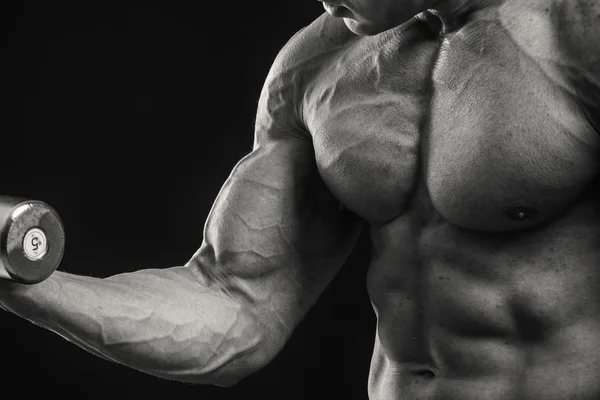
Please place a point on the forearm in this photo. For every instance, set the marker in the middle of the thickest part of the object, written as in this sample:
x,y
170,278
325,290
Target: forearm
x,y
167,323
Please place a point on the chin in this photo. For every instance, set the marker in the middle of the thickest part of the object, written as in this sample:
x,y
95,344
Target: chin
x,y
367,29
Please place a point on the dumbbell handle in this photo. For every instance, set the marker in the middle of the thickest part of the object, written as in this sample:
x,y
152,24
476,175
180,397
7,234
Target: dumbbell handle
x,y
32,240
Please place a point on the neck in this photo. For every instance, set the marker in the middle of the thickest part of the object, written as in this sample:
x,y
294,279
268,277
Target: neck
x,y
453,12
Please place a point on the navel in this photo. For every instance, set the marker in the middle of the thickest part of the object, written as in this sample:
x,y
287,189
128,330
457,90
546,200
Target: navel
x,y
519,213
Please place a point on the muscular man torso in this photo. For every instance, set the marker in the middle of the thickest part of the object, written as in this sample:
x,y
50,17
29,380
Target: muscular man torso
x,y
472,154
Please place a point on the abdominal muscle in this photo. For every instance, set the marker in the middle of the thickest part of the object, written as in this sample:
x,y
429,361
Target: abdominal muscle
x,y
472,315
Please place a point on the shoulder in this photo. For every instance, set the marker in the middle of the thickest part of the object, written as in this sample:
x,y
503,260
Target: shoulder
x,y
323,34
578,18
307,50
296,66
563,36
316,46
577,29
312,57
574,26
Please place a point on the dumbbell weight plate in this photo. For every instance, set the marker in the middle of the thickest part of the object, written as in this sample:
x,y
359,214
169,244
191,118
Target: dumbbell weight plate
x,y
32,240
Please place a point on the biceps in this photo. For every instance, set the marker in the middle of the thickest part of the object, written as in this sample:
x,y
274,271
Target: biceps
x,y
275,236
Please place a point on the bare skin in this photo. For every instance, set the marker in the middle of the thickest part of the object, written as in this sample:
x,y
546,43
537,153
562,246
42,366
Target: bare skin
x,y
482,200
470,152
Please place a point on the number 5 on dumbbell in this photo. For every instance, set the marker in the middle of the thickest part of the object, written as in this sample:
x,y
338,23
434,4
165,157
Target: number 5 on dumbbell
x,y
32,240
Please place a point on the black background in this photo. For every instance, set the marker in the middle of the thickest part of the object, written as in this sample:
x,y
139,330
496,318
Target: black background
x,y
127,121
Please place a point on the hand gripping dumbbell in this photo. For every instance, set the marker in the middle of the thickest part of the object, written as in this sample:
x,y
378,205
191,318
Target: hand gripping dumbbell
x,y
32,240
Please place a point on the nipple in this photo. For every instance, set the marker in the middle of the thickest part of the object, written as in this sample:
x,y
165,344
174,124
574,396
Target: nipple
x,y
519,213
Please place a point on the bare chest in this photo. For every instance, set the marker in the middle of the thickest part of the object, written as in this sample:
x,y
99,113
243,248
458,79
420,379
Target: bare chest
x,y
479,118
366,112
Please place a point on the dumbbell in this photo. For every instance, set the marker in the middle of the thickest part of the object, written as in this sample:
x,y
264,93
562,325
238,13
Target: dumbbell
x,y
32,240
